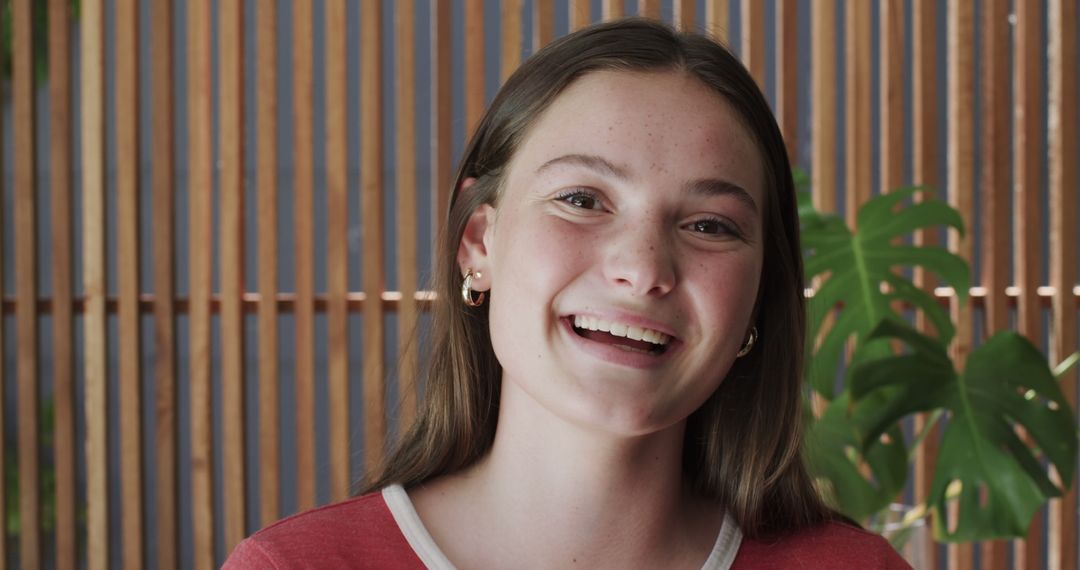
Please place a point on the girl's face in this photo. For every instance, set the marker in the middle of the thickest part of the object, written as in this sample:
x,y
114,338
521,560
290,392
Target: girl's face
x,y
624,255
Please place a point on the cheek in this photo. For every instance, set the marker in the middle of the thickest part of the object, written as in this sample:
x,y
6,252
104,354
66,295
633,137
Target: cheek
x,y
731,287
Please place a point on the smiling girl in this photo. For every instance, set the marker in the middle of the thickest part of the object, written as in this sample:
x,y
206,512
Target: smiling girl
x,y
618,338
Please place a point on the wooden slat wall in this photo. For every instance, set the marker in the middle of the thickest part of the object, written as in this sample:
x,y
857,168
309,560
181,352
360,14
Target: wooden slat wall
x,y
337,244
823,99
511,37
684,15
441,112
266,99
304,217
94,330
994,186
787,74
891,93
371,165
543,23
1011,149
200,211
717,13
613,9
165,394
127,257
231,193
1028,153
1064,181
474,63
26,285
405,74
753,38
961,34
63,352
579,14
857,81
924,122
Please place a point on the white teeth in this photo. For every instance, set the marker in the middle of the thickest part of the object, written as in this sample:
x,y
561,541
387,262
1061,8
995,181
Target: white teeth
x,y
622,330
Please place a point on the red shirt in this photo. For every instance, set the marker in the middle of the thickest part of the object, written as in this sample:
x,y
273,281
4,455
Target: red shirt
x,y
362,533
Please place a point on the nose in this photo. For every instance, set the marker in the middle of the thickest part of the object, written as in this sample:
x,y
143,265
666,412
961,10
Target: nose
x,y
639,261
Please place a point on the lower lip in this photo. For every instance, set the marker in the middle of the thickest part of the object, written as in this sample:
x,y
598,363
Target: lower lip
x,y
615,355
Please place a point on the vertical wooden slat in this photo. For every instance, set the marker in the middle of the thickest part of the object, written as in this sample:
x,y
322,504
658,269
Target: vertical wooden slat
x,y
787,74
685,13
924,142
823,99
717,13
337,242
61,135
94,330
231,105
857,78
1064,180
26,285
1027,223
543,23
266,100
1027,156
511,37
441,113
127,256
303,222
164,291
649,8
408,368
200,191
994,185
612,9
752,50
961,182
579,14
474,64
371,163
995,175
891,26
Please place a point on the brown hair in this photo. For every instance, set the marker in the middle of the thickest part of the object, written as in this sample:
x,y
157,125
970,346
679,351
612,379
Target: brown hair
x,y
743,446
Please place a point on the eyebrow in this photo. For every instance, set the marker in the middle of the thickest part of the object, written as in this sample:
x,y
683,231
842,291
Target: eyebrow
x,y
589,161
704,187
716,187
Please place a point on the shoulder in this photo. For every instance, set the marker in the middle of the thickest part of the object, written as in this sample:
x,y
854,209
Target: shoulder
x,y
355,533
836,545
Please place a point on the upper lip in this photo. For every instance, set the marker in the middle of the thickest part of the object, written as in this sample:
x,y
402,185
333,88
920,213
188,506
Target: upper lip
x,y
628,319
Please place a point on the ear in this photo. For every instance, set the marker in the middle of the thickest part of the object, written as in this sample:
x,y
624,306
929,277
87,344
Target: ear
x,y
473,251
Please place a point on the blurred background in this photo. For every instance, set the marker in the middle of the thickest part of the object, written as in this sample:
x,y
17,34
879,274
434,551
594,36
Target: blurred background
x,y
218,217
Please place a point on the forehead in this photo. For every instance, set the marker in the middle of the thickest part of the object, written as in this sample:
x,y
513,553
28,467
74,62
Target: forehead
x,y
658,123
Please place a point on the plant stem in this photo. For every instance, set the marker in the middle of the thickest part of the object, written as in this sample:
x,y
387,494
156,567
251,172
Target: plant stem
x,y
931,421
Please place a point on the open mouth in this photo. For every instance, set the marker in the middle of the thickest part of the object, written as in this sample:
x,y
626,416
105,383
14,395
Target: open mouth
x,y
626,337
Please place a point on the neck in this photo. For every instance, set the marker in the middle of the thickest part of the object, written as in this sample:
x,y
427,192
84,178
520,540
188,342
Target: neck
x,y
552,487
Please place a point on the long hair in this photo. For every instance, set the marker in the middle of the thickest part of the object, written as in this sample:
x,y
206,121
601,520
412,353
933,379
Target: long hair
x,y
742,447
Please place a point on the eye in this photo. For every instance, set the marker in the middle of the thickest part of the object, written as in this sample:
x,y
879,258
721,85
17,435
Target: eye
x,y
712,228
581,199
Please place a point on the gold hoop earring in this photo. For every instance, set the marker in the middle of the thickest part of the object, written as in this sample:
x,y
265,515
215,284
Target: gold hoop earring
x,y
749,345
467,292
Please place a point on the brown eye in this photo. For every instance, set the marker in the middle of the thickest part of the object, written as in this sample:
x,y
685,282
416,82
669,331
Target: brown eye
x,y
712,227
580,199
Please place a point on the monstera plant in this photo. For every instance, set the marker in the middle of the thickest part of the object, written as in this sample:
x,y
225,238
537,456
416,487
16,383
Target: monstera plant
x,y
1004,422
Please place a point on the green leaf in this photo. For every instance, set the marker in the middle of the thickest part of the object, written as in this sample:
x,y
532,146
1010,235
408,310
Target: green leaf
x,y
834,444
860,271
1006,384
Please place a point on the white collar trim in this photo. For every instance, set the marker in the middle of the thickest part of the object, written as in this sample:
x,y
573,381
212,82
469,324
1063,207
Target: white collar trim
x,y
405,515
